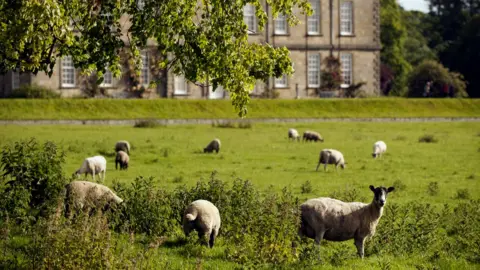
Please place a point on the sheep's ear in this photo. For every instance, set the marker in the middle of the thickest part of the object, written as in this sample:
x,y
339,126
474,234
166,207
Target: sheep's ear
x,y
390,189
372,188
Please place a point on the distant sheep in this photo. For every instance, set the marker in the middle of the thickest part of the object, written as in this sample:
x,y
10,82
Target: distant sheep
x,y
335,220
312,136
93,165
81,194
293,134
379,148
122,146
213,146
331,156
204,217
121,159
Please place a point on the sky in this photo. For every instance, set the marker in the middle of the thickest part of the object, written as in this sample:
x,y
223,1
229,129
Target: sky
x,y
420,5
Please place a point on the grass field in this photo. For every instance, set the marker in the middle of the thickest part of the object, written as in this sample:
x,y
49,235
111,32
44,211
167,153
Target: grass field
x,y
263,154
82,109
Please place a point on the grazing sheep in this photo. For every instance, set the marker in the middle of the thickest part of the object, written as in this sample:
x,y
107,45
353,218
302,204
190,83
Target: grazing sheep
x,y
122,146
93,165
379,148
122,158
312,136
293,134
331,156
335,220
80,194
202,216
213,146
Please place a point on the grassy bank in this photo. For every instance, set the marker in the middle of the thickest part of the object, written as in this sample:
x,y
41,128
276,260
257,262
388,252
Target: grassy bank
x,y
83,109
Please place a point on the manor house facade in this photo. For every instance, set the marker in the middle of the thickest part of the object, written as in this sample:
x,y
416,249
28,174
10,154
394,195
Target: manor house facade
x,y
348,29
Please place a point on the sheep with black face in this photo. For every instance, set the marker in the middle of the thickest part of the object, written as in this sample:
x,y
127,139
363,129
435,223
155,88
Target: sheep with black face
x,y
335,220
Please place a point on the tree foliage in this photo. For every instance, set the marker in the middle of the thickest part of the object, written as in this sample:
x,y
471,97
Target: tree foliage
x,y
205,40
453,28
416,43
393,36
435,72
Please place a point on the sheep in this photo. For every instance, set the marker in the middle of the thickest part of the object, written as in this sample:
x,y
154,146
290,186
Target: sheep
x,y
202,216
379,148
93,165
331,156
213,146
122,159
293,134
122,146
81,194
335,220
312,136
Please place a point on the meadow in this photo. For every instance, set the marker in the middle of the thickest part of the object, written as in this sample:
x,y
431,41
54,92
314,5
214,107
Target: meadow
x,y
445,171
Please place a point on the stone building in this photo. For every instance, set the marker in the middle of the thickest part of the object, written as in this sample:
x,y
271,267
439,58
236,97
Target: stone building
x,y
347,29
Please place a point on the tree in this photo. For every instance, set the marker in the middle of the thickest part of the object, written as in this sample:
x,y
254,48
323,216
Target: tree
x,y
393,35
453,27
416,43
205,40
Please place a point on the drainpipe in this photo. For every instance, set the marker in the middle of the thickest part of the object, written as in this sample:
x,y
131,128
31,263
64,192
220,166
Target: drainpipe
x,y
331,26
267,37
306,55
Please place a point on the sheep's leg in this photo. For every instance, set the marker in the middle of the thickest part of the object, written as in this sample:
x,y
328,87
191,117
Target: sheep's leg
x,y
318,240
103,176
212,239
318,165
325,167
359,244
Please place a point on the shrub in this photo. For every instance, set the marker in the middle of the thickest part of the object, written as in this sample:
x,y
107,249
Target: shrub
x,y
428,138
462,194
232,124
306,187
433,188
146,124
33,179
33,91
146,208
430,70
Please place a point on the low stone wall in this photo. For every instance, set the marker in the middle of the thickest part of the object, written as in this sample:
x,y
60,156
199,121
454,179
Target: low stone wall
x,y
131,122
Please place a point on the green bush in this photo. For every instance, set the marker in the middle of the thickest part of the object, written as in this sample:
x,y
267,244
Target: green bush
x,y
430,70
32,179
33,91
146,124
428,138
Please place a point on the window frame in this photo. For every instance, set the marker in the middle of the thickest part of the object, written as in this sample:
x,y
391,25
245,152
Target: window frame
x,y
349,21
15,79
176,91
316,69
108,73
280,22
249,13
145,71
315,18
346,68
281,82
65,69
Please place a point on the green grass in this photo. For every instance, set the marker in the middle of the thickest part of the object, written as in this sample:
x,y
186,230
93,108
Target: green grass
x,y
174,155
83,109
263,154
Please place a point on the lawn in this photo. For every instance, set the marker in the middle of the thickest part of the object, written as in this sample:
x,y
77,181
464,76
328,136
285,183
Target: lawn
x,y
84,109
264,155
174,155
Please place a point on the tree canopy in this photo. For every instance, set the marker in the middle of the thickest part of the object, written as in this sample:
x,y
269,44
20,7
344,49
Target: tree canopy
x,y
204,39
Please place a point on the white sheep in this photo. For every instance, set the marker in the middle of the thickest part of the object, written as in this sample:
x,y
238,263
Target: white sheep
x,y
213,146
202,216
93,165
335,220
312,136
293,134
121,159
122,146
81,194
379,148
331,156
